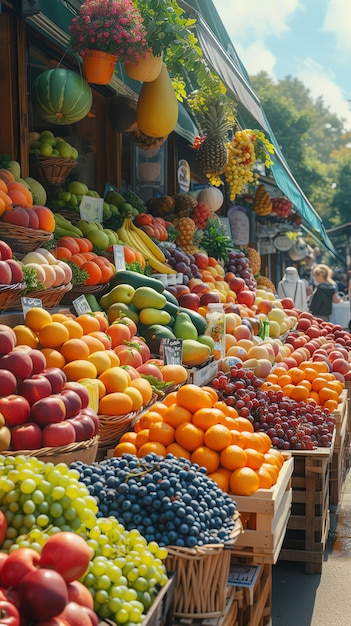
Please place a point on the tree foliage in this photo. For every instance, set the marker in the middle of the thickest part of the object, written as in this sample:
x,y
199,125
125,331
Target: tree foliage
x,y
313,142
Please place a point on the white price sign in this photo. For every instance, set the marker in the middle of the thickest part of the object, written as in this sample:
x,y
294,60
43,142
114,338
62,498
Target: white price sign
x,y
30,303
91,209
81,305
119,259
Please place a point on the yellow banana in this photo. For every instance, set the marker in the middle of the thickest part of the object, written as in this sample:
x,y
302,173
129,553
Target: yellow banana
x,y
148,242
155,263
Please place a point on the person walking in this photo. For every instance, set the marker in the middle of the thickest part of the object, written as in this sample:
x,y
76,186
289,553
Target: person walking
x,y
324,294
292,286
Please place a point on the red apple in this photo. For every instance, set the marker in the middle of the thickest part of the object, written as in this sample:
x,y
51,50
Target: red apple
x,y
5,273
287,303
51,410
17,565
79,593
16,271
61,434
8,338
8,383
237,284
189,301
18,362
246,297
17,216
43,593
80,390
93,416
5,251
15,409
208,298
56,377
34,388
201,260
88,430
26,437
341,365
67,553
71,401
75,615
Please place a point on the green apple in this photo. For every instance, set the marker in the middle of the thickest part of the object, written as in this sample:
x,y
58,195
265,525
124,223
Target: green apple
x,y
65,149
78,188
45,149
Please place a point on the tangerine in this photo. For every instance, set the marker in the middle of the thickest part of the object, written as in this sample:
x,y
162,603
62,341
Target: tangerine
x,y
254,458
88,322
244,481
148,418
53,358
189,436
206,457
125,447
242,423
217,437
221,476
152,446
142,436
162,432
176,415
74,349
193,398
233,456
204,418
176,374
178,451
265,478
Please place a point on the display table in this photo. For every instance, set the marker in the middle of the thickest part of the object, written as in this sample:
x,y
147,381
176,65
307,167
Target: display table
x,y
341,314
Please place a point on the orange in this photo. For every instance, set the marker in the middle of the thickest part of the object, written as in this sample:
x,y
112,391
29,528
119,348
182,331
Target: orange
x,y
80,369
36,317
178,451
148,418
296,375
176,415
88,322
287,389
152,446
254,458
205,457
221,476
227,421
115,379
265,478
273,458
314,397
213,393
272,470
244,481
116,403
25,336
300,393
237,438
332,405
232,412
241,423
162,432
306,383
217,437
53,358
58,317
193,398
233,456
53,335
94,345
142,437
318,383
310,373
125,447
328,394
74,349
74,329
284,379
128,436
144,387
159,407
265,442
101,361
207,417
189,436
170,398
176,374
279,457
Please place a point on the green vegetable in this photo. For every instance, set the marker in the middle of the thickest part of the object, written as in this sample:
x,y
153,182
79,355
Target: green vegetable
x,y
79,276
31,281
4,160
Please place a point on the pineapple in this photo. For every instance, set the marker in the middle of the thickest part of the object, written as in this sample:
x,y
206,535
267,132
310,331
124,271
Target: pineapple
x,y
186,232
184,204
212,152
254,260
266,283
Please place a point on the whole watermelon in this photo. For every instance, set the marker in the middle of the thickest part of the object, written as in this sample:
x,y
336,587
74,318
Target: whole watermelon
x,y
61,96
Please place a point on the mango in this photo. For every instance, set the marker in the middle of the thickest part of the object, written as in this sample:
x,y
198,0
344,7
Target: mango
x,y
120,309
145,297
183,327
120,293
194,353
149,316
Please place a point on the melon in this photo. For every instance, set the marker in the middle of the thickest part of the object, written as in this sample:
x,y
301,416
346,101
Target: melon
x,y
61,96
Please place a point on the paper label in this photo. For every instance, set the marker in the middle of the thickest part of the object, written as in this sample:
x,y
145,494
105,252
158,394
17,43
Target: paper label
x,y
29,303
119,258
81,305
91,209
171,351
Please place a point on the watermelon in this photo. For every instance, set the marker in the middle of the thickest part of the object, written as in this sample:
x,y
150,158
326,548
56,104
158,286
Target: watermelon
x,y
61,96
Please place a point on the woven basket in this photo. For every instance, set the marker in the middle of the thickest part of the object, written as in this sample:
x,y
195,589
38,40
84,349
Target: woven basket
x,y
202,578
49,297
72,216
84,451
21,239
53,170
79,290
112,427
9,294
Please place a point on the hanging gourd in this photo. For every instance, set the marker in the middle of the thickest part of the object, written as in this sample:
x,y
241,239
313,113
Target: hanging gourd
x,y
61,96
212,196
157,108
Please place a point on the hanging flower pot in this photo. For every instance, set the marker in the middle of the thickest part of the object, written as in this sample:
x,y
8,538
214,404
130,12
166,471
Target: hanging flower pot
x,y
146,69
98,66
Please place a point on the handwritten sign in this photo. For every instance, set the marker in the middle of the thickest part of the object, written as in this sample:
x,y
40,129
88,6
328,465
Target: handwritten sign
x,y
119,258
91,209
81,305
171,351
29,303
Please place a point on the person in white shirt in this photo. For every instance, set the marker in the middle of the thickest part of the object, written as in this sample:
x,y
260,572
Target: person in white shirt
x,y
292,286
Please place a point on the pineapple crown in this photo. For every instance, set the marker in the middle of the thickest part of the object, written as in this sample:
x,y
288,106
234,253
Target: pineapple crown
x,y
215,122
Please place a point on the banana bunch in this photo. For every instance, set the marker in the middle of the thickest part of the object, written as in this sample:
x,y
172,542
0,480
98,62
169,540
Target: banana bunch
x,y
64,227
138,239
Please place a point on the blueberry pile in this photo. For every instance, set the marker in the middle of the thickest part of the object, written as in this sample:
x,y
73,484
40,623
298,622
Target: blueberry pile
x,y
169,500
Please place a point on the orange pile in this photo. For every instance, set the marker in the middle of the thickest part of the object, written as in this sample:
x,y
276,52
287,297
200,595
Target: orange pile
x,y
192,423
311,381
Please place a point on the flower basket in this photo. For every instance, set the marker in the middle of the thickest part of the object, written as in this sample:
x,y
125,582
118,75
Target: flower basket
x,y
98,66
84,451
49,297
21,239
52,170
9,294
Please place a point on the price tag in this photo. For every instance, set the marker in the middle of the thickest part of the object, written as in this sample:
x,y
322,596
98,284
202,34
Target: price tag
x,y
119,259
171,351
29,303
91,209
81,305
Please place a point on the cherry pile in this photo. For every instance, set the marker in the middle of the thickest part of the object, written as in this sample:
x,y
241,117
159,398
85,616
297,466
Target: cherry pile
x,y
290,425
238,263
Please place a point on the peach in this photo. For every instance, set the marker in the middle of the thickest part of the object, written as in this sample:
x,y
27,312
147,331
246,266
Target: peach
x,y
67,270
237,351
59,276
258,352
245,343
232,320
242,332
263,368
50,275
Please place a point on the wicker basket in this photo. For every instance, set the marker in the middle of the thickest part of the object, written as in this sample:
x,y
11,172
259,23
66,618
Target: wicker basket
x,y
49,297
84,451
79,290
202,578
53,170
9,294
112,427
21,239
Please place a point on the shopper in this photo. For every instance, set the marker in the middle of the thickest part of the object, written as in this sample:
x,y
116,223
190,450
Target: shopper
x,y
292,286
325,292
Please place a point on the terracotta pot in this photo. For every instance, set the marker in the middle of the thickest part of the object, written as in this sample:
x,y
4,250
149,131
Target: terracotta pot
x,y
146,70
98,67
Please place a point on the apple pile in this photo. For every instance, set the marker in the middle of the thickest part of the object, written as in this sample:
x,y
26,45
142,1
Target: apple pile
x,y
10,269
42,589
38,406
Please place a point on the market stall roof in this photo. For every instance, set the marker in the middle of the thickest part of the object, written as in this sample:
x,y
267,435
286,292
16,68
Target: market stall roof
x,y
220,53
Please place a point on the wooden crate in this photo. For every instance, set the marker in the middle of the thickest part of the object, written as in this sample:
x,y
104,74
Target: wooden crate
x,y
161,612
255,605
308,525
264,517
229,616
341,456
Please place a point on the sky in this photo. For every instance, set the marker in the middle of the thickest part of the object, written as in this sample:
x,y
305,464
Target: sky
x,y
306,39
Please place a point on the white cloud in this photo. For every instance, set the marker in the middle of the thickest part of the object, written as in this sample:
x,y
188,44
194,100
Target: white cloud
x,y
257,58
337,21
254,19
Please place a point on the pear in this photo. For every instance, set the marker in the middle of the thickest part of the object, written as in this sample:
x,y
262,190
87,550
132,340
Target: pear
x,y
15,168
184,328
